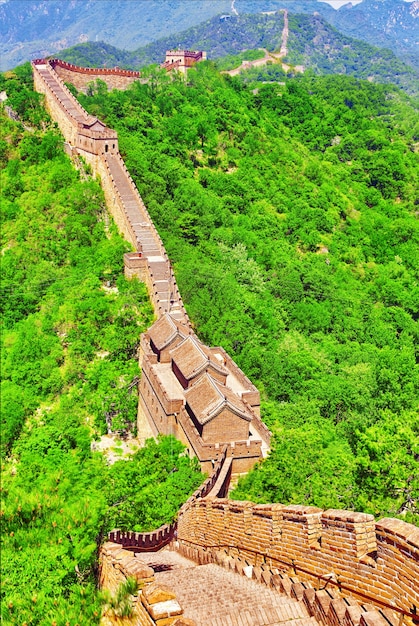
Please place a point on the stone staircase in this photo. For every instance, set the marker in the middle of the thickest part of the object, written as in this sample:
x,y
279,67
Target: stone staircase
x,y
213,596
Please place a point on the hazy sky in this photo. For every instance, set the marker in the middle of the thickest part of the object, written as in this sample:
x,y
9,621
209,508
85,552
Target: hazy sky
x,y
338,3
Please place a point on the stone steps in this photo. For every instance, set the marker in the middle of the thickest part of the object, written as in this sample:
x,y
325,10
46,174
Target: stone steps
x,y
213,596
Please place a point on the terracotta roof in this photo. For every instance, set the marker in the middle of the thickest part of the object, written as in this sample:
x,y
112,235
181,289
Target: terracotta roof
x,y
192,357
94,124
164,331
207,397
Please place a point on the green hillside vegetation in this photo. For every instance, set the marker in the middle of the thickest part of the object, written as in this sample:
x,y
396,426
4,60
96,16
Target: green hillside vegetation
x,y
312,43
71,327
290,214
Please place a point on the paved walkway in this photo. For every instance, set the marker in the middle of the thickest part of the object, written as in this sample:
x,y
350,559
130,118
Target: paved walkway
x,y
213,596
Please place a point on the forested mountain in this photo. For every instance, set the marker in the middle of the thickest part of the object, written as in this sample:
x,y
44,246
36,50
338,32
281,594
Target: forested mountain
x,y
70,332
290,214
312,43
34,28
385,23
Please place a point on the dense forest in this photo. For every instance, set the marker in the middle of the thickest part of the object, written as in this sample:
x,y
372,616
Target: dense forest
x,y
290,212
70,332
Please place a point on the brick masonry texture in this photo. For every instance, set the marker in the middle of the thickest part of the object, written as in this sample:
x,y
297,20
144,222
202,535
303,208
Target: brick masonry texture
x,y
363,557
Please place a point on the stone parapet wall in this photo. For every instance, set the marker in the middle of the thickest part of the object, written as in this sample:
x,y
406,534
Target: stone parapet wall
x,y
66,123
373,561
152,605
81,77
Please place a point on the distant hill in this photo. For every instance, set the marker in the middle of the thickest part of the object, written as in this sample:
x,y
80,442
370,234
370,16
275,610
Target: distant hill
x,y
312,43
385,23
33,28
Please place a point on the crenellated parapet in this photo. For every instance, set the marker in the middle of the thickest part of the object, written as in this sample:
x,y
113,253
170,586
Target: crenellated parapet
x,y
372,561
83,77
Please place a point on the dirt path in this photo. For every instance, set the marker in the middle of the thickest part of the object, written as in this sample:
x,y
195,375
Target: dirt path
x,y
114,448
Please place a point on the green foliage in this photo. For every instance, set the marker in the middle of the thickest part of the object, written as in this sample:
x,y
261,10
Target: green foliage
x,y
289,212
231,61
148,490
71,327
316,45
120,604
24,101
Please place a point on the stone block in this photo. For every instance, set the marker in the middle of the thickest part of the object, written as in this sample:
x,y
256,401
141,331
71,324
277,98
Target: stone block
x,y
163,610
373,618
157,593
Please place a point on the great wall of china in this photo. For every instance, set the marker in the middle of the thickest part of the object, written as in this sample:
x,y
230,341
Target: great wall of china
x,y
329,567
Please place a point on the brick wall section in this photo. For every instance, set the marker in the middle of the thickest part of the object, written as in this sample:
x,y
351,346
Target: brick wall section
x,y
159,409
80,77
100,149
374,561
153,605
116,565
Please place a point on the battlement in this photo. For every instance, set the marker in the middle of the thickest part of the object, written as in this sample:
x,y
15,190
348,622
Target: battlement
x,y
375,562
181,60
83,77
105,71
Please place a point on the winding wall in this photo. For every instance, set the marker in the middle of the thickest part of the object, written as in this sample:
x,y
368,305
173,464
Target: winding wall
x,y
98,145
378,562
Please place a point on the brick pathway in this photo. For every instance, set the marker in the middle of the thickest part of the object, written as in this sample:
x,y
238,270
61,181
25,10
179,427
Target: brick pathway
x,y
214,596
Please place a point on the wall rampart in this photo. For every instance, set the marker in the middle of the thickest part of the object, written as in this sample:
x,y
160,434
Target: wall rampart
x,y
66,122
372,561
81,77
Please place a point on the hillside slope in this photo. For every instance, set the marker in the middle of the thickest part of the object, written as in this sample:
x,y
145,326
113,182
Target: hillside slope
x,y
290,215
312,42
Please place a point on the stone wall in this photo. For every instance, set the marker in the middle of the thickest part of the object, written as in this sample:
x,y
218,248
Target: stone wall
x,y
376,562
81,77
66,124
152,605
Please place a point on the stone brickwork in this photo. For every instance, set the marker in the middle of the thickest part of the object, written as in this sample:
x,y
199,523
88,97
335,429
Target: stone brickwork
x,y
199,395
376,562
153,605
82,77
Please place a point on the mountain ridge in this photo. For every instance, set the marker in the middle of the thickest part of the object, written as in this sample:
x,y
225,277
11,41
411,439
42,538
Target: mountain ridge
x,y
26,34
312,43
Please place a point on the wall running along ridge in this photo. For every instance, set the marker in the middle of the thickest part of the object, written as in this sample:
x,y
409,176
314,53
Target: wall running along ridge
x,y
83,77
377,562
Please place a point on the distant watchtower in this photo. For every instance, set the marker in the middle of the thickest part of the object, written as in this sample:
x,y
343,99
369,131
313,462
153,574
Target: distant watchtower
x,y
180,60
